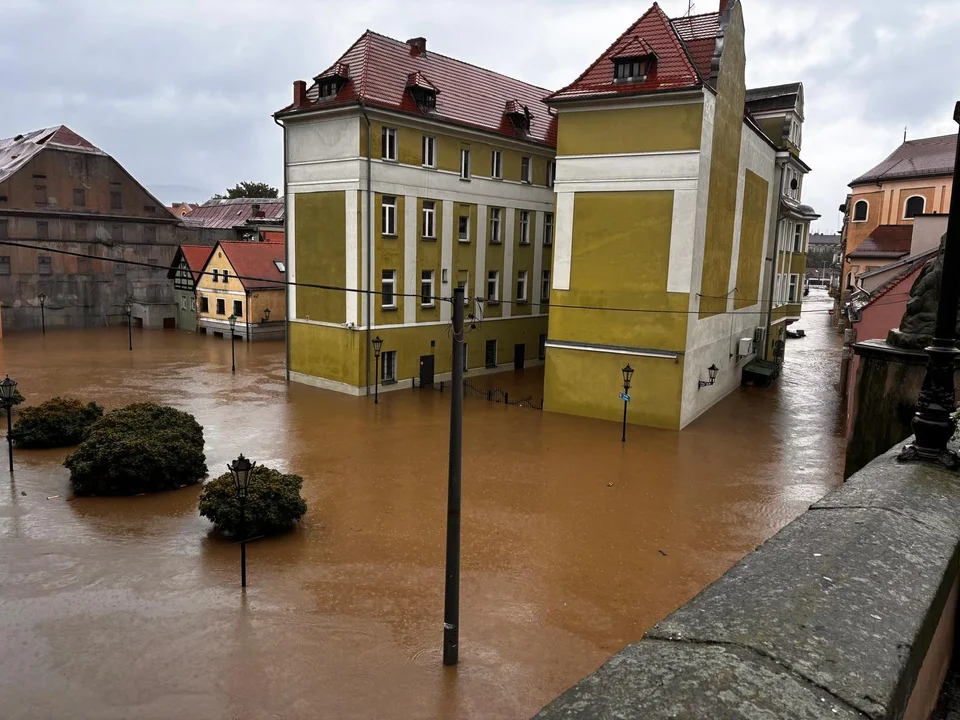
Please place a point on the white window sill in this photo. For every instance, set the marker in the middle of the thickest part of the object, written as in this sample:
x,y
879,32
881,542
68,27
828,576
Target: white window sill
x,y
496,242
389,160
465,242
428,167
391,381
428,238
463,179
388,308
522,243
427,306
492,302
522,302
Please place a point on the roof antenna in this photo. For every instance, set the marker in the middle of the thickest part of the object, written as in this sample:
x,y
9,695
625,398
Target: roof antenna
x,y
904,133
690,7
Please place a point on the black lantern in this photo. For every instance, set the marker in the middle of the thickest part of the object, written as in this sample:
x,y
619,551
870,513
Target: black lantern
x,y
242,470
43,320
377,344
233,337
8,389
266,315
712,372
128,308
627,376
233,321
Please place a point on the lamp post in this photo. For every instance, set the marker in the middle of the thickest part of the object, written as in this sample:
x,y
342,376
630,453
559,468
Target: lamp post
x,y
233,353
933,424
377,344
43,319
242,471
627,377
129,308
7,389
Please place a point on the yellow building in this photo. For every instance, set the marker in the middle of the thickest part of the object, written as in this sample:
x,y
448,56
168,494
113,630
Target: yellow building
x,y
409,174
245,281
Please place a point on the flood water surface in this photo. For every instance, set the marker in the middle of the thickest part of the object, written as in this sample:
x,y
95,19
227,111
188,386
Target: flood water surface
x,y
573,542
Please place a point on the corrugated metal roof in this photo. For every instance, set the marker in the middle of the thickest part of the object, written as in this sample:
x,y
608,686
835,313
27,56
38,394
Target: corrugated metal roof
x,y
17,151
915,158
233,212
256,263
380,69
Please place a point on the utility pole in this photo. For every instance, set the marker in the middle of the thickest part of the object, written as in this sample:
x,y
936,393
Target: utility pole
x,y
451,589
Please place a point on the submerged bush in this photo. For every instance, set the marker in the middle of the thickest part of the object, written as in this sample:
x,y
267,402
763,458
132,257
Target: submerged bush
x,y
55,423
138,448
273,503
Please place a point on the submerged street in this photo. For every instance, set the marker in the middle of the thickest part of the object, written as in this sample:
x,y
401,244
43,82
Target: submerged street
x,y
573,543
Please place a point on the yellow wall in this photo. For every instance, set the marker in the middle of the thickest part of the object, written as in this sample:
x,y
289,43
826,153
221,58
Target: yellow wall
x,y
589,384
260,300
388,252
724,169
229,292
755,192
320,223
645,129
332,353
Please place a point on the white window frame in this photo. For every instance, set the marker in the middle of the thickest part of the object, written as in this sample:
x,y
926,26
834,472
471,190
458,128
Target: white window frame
x,y
545,286
522,279
493,276
226,276
793,289
551,173
853,215
388,216
388,144
466,287
215,275
427,292
548,229
496,165
798,237
465,164
524,225
922,210
428,151
428,220
496,226
463,236
388,278
526,175
388,366
280,266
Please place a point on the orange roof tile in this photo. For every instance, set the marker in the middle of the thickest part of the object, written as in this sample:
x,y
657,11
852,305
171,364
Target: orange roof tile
x,y
256,263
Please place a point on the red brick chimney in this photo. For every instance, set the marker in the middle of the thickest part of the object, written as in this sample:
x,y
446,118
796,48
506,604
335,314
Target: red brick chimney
x,y
723,6
299,93
418,46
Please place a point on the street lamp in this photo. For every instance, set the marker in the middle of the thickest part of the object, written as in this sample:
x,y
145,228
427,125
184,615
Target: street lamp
x,y
8,389
129,308
712,372
266,315
43,319
627,377
242,471
377,344
233,354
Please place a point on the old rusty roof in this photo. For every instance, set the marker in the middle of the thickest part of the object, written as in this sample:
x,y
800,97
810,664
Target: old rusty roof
x,y
886,241
233,212
380,69
17,151
255,263
915,158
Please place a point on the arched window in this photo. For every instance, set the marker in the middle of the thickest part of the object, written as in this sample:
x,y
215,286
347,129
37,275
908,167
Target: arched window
x,y
915,206
850,279
860,211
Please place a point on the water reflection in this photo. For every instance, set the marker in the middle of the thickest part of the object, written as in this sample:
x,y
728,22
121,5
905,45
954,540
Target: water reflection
x,y
573,544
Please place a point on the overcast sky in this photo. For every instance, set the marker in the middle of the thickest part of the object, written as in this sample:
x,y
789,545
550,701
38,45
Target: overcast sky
x,y
181,92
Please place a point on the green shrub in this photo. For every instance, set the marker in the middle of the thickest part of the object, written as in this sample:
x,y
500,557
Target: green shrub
x,y
55,423
17,397
273,503
138,448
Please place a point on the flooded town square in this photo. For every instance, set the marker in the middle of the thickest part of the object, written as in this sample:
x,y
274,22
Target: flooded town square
x,y
573,542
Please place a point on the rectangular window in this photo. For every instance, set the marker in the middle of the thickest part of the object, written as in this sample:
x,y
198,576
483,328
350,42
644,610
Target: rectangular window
x,y
463,282
428,228
524,227
204,304
150,233
4,228
81,231
493,286
44,265
43,229
490,354
40,193
794,292
388,366
388,144
389,217
545,286
464,164
221,306
280,266
548,229
464,229
79,197
216,276
495,215
226,276
429,151
116,233
496,165
522,286
542,347
238,308
798,237
4,264
525,170
388,290
551,173
426,288
116,196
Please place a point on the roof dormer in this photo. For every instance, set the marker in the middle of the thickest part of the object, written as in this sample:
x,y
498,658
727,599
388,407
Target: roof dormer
x,y
634,61
423,91
332,81
519,115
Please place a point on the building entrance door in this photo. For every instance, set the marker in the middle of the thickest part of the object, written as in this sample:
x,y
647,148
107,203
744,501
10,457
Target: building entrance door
x,y
519,353
426,370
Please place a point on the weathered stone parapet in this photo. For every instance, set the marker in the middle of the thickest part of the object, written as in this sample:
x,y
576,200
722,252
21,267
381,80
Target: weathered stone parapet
x,y
835,616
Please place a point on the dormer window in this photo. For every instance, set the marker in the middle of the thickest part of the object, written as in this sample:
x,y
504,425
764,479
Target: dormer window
x,y
330,83
519,115
328,90
423,91
426,99
634,62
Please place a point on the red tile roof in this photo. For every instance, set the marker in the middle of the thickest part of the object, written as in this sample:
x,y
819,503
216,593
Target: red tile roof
x,y
232,212
256,263
673,69
196,257
886,241
915,158
274,237
379,71
699,34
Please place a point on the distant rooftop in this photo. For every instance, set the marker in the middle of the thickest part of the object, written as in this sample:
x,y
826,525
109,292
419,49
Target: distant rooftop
x,y
915,158
17,151
233,212
886,241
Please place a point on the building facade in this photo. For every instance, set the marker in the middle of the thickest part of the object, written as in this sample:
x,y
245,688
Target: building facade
x,y
244,281
69,214
823,260
185,271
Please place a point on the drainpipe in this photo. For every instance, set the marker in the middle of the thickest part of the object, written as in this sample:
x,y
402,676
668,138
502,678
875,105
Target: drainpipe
x,y
286,254
369,320
248,315
773,267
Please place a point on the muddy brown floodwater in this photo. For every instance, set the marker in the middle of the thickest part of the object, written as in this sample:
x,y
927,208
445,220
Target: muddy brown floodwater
x,y
573,543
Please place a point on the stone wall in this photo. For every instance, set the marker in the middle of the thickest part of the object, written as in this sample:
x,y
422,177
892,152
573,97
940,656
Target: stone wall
x,y
846,613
